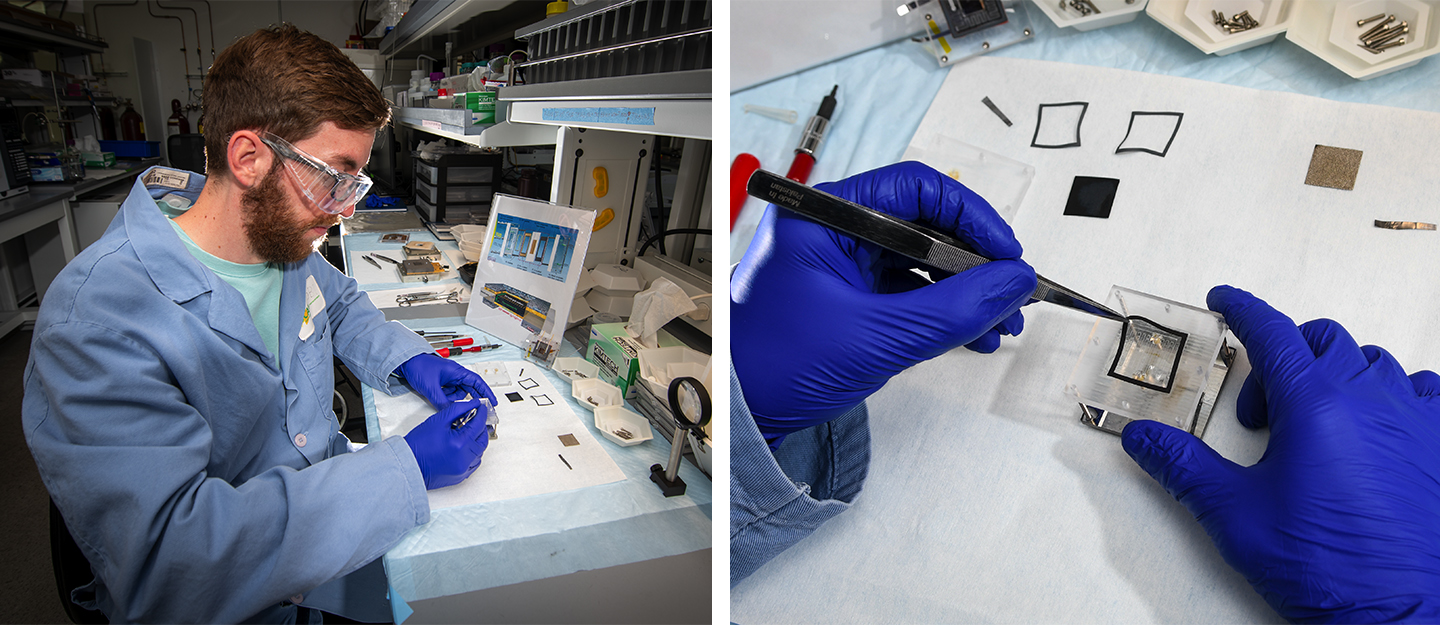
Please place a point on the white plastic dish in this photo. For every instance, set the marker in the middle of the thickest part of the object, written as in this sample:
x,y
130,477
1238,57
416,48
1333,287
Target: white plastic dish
x,y
575,368
594,393
655,366
617,278
1112,12
1315,20
465,229
1275,18
471,251
1345,35
1266,12
612,418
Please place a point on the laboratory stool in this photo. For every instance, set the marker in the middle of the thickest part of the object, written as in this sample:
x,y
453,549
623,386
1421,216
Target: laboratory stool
x,y
72,570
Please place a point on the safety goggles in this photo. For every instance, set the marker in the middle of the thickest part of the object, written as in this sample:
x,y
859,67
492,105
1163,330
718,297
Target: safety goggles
x,y
330,189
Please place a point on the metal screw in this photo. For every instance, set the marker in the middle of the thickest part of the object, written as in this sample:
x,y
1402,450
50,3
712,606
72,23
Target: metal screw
x,y
985,45
1377,28
1398,42
1401,28
927,17
1027,32
1368,19
944,59
1379,40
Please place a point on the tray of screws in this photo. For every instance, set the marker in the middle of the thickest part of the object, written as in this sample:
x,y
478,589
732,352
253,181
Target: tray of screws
x,y
622,426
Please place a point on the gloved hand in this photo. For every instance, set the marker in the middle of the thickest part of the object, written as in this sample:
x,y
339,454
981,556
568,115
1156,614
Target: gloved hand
x,y
1340,519
447,454
820,320
443,381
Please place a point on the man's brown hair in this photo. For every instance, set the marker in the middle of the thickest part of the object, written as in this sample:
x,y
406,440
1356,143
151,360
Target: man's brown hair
x,y
286,81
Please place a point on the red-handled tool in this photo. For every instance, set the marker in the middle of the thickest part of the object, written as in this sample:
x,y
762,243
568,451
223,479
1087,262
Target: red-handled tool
x,y
452,343
744,165
811,138
451,352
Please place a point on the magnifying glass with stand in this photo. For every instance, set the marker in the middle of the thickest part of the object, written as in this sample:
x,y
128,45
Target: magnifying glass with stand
x,y
690,405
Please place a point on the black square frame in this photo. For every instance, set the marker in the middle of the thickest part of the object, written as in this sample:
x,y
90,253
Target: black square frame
x,y
1040,118
1179,117
1120,348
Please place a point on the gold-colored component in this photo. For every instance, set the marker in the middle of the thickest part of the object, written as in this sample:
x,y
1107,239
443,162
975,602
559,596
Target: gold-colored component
x,y
1404,225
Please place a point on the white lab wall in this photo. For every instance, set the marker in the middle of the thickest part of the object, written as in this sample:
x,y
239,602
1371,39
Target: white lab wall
x,y
332,20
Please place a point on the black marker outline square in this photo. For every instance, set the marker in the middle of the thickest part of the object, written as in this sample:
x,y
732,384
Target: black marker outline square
x,y
1040,119
548,401
1174,367
532,382
1179,118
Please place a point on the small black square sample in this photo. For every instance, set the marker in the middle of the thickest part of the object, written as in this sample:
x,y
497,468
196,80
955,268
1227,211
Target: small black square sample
x,y
1091,197
1060,127
514,397
569,440
1148,354
1151,132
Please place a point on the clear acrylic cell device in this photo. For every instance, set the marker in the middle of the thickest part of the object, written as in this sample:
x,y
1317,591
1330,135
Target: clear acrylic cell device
x,y
1165,363
954,30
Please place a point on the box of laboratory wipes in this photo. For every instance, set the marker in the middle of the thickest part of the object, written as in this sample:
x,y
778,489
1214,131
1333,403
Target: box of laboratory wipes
x,y
615,352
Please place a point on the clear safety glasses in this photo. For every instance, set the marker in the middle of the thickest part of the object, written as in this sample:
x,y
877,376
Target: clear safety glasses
x,y
330,189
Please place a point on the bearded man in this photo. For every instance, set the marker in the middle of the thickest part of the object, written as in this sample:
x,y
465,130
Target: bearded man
x,y
178,394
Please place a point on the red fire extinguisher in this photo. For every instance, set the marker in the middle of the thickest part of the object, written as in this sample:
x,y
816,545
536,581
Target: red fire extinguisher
x,y
177,124
132,126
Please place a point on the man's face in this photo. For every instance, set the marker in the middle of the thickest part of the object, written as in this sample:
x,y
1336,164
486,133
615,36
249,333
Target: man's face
x,y
281,224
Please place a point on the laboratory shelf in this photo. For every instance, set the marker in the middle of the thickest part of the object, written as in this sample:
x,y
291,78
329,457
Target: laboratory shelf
x,y
52,39
503,134
674,103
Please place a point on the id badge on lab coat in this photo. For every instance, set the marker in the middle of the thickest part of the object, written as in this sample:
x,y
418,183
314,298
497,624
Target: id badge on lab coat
x,y
314,303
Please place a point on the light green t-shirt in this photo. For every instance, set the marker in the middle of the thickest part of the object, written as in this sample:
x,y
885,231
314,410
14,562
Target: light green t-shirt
x,y
259,284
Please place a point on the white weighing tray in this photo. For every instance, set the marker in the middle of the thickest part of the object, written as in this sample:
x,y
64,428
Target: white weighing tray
x,y
1194,25
1112,12
1315,29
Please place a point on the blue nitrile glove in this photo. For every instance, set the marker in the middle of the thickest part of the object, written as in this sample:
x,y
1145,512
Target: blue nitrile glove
x,y
1340,518
447,454
442,381
820,320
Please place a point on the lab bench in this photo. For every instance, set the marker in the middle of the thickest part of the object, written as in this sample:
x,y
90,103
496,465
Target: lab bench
x,y
47,248
608,553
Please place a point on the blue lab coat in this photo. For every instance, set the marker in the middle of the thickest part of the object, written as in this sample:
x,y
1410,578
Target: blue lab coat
x,y
204,478
778,499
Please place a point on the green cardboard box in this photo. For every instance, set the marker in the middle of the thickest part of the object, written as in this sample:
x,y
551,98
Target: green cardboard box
x,y
483,103
617,354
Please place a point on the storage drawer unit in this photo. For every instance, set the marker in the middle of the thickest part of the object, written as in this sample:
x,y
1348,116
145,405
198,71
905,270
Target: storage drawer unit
x,y
455,187
453,213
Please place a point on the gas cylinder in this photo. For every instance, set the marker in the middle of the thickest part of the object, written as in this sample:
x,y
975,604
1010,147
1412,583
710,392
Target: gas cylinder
x,y
177,124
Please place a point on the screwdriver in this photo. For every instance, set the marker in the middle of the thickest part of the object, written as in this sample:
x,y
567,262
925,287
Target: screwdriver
x,y
451,342
450,352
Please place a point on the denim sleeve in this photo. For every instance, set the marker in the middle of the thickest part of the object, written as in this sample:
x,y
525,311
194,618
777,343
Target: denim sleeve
x,y
778,499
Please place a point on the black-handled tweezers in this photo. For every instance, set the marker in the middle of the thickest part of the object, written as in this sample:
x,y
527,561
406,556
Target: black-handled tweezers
x,y
926,245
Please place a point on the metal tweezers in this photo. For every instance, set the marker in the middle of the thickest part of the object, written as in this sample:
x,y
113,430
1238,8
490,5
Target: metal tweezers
x,y
409,299
931,247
